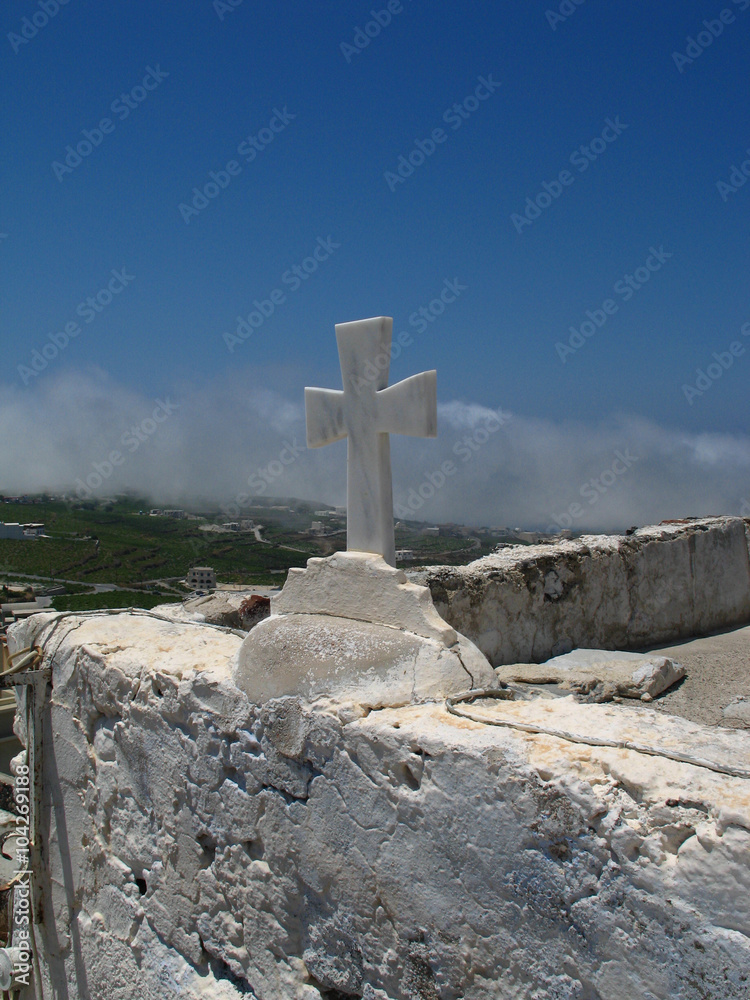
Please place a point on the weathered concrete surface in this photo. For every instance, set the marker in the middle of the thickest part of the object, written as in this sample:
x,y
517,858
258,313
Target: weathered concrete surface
x,y
529,603
718,674
200,847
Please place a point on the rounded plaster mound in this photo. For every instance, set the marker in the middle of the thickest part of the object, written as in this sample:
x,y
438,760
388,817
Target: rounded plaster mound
x,y
353,629
320,656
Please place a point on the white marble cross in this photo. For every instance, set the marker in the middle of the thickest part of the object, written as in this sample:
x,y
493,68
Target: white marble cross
x,y
366,412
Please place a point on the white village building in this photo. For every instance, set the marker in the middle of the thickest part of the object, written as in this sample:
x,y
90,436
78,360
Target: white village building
x,y
201,578
12,529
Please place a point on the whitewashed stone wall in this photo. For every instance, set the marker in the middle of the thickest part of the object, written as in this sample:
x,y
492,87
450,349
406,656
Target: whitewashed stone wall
x,y
201,847
526,604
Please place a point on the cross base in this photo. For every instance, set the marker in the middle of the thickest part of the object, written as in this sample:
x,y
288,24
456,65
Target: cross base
x,y
350,628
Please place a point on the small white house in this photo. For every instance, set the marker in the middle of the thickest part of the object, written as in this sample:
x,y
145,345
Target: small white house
x,y
12,529
201,578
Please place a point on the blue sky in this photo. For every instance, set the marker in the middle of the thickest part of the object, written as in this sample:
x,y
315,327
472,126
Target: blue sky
x,y
183,88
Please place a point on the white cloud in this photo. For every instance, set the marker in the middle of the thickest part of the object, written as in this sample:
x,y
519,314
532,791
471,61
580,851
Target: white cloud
x,y
509,469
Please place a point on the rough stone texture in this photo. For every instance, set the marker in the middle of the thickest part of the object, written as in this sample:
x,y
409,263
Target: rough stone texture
x,y
200,847
738,710
253,610
528,603
604,674
227,608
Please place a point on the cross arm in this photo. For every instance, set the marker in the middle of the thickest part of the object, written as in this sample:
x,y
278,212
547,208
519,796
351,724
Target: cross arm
x,y
409,406
324,412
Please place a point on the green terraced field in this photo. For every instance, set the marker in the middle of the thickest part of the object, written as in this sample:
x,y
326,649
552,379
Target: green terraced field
x,y
102,542
96,545
110,599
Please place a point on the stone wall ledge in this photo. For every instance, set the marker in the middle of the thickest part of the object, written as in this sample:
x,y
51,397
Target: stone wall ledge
x,y
661,583
198,846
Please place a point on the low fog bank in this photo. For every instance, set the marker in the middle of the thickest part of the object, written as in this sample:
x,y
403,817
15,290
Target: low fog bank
x,y
235,439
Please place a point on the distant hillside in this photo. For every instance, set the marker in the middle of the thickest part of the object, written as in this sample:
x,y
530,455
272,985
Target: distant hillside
x,y
117,542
